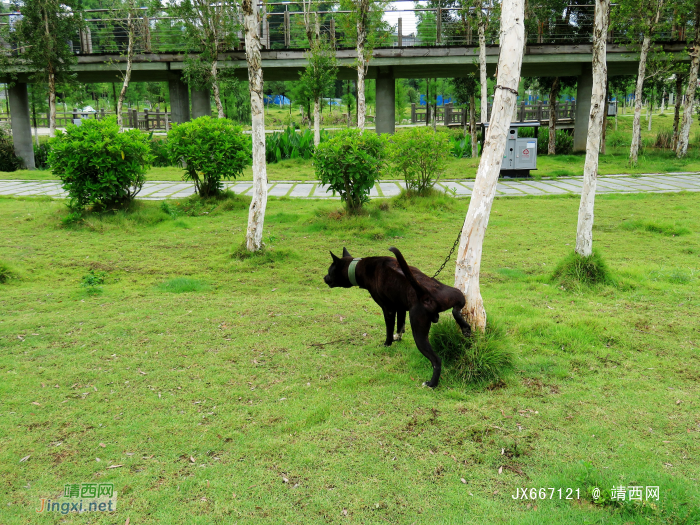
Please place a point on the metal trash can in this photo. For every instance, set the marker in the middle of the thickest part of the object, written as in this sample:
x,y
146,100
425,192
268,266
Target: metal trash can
x,y
520,155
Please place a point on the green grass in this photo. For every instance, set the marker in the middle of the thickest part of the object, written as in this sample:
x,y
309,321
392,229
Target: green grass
x,y
281,392
182,285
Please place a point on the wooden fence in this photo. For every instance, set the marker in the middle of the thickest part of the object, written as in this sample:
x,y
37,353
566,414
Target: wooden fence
x,y
457,117
146,120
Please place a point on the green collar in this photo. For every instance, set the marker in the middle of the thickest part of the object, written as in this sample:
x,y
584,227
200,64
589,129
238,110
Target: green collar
x,y
351,271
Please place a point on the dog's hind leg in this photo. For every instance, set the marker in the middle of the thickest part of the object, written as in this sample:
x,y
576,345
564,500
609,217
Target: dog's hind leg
x,y
400,325
389,319
420,326
457,314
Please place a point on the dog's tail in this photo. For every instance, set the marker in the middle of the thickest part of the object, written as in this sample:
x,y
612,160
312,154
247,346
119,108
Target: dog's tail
x,y
420,290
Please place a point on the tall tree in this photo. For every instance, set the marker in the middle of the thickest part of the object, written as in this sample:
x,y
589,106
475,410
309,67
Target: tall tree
x,y
474,229
44,32
135,30
554,85
639,19
584,230
684,134
212,27
464,90
256,213
364,53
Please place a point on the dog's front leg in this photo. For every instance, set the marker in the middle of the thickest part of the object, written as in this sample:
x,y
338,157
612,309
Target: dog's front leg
x,y
400,325
389,319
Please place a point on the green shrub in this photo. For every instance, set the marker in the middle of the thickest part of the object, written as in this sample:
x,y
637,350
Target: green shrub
x,y
159,150
98,165
93,281
9,161
419,155
618,139
291,144
461,147
479,358
41,156
664,139
350,163
209,150
564,140
575,270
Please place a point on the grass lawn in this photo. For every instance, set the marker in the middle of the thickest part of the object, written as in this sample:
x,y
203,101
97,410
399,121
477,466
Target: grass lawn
x,y
245,391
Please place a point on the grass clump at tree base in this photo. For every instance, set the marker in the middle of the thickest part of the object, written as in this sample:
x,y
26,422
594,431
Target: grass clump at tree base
x,y
576,270
6,273
480,358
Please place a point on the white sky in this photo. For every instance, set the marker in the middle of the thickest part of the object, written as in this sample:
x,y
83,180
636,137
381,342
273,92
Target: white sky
x,y
408,18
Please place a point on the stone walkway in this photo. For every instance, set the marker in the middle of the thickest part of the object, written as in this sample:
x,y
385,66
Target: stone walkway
x,y
649,183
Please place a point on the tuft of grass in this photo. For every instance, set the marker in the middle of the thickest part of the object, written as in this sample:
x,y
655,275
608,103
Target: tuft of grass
x,y
183,285
264,256
575,270
478,359
663,228
6,272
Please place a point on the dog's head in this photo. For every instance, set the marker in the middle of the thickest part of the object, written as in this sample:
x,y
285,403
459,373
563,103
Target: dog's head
x,y
336,276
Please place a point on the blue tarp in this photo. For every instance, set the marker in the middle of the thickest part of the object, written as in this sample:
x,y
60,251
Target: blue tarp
x,y
269,99
440,100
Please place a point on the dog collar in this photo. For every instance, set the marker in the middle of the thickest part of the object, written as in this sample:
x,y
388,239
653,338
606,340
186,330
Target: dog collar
x,y
351,271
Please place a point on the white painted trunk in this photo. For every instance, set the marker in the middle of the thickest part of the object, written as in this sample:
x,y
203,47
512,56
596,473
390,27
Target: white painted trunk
x,y
317,122
256,214
215,90
474,229
482,67
684,133
361,106
584,230
636,121
127,75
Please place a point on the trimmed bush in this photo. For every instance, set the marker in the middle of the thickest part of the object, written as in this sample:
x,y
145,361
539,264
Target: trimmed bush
x,y
98,165
419,155
159,150
480,358
209,150
9,161
350,163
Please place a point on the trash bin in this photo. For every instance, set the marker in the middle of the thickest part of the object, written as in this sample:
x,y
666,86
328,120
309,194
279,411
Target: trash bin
x,y
520,155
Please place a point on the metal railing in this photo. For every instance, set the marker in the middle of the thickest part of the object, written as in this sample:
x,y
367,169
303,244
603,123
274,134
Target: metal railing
x,y
458,117
283,28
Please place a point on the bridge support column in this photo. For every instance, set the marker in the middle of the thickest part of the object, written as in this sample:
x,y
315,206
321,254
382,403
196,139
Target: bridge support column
x,y
21,125
179,101
584,91
201,103
385,120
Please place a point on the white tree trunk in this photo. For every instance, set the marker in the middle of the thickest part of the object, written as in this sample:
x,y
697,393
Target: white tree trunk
x,y
553,96
684,134
474,229
215,89
650,112
584,230
317,122
361,107
127,75
482,65
256,214
636,121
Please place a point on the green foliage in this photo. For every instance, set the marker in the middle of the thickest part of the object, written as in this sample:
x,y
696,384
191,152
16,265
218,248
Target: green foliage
x,y
182,285
98,165
419,155
480,358
159,151
664,228
617,139
41,156
291,144
460,147
6,272
210,150
564,144
321,70
664,138
350,163
575,271
9,161
93,281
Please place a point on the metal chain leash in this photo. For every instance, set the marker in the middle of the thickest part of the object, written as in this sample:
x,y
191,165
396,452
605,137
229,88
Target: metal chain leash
x,y
449,255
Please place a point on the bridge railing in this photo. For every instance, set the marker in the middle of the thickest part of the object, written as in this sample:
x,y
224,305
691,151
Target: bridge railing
x,y
456,117
283,28
146,120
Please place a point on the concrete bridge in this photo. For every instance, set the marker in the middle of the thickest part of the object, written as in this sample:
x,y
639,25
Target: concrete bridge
x,y
561,52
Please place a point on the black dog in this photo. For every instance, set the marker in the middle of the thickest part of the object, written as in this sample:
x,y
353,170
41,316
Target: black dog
x,y
398,289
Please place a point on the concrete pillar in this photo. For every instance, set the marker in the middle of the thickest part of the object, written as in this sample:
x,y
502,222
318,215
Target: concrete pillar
x,y
584,91
201,103
385,121
179,101
21,125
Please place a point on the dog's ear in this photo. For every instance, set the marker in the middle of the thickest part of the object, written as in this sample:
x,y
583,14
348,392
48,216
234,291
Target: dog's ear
x,y
346,253
335,259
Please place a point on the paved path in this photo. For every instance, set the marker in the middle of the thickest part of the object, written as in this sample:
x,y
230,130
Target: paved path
x,y
651,183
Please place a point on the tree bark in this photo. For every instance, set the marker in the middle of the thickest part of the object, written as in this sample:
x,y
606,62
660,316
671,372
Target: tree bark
x,y
361,62
215,89
682,148
472,125
481,21
636,121
52,104
256,213
317,122
584,230
553,96
650,111
605,120
677,110
474,229
127,75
